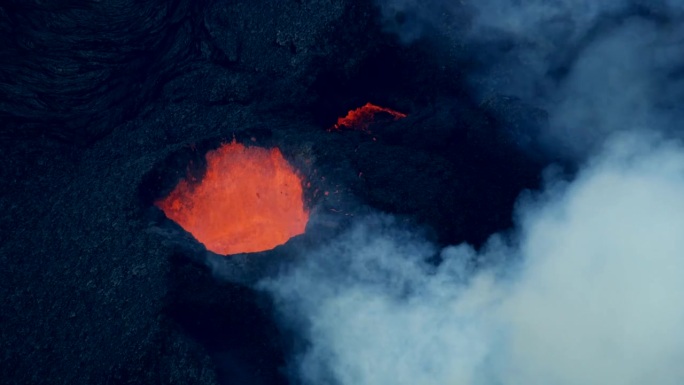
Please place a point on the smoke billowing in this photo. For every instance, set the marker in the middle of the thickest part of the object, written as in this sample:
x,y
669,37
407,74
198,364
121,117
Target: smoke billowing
x,y
587,288
596,67
587,291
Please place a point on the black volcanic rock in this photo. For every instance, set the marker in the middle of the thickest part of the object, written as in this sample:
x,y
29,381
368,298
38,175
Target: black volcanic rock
x,y
75,69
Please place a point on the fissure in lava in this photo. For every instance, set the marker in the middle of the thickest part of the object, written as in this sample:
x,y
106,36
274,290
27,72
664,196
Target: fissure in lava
x,y
361,118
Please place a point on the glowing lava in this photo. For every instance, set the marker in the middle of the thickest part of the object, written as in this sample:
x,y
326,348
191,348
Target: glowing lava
x,y
362,117
249,200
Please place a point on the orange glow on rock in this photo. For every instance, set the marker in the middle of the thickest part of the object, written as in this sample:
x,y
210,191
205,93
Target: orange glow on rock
x,y
250,199
362,117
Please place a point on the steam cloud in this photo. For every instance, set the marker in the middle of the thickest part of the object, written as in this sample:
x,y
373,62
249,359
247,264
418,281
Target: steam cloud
x,y
596,67
587,291
587,288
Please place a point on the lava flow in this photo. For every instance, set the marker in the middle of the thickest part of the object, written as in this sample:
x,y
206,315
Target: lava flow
x,y
250,199
362,117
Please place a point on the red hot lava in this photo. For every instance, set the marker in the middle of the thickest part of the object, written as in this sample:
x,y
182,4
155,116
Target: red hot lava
x,y
249,200
362,117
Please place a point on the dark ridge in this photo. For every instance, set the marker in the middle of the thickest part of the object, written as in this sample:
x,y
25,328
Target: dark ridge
x,y
74,69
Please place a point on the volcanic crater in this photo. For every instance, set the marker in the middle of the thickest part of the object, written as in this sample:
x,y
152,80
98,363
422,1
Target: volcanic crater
x,y
90,201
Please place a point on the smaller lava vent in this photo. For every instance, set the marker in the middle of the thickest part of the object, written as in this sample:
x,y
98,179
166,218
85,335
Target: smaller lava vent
x,y
362,117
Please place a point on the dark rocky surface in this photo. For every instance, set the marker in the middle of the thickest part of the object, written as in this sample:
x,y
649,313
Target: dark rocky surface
x,y
97,96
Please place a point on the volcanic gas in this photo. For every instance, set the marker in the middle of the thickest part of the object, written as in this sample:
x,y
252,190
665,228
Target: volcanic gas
x,y
250,199
362,117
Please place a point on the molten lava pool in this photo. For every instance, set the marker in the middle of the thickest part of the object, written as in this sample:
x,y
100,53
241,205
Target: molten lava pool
x,y
250,199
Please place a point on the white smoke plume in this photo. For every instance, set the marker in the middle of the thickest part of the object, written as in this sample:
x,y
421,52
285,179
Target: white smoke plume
x,y
588,289
596,67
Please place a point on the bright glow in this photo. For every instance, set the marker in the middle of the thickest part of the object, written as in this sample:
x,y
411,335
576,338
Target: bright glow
x,y
362,117
249,200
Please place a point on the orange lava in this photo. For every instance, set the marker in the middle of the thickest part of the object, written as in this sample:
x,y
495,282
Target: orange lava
x,y
249,200
362,117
